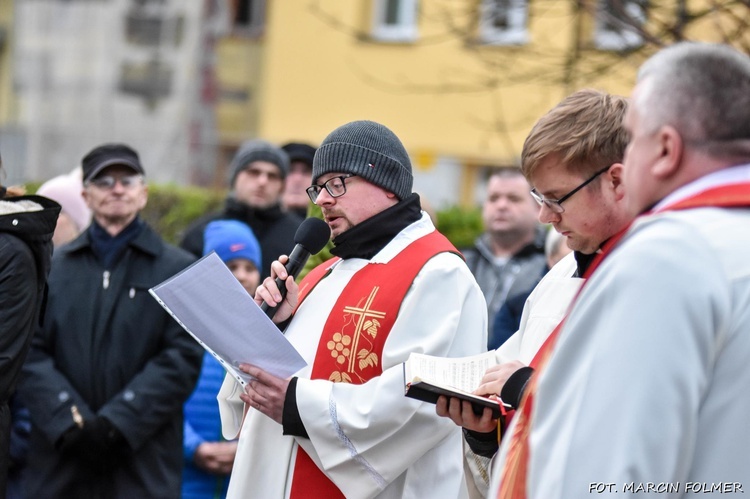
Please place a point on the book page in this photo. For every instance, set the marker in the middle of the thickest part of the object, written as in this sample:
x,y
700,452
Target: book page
x,y
464,373
210,304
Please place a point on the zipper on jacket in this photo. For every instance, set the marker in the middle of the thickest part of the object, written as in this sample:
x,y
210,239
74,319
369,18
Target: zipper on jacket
x,y
105,279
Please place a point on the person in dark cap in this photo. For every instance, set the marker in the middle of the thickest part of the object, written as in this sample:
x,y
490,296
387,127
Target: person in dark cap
x,y
257,175
342,426
109,370
299,178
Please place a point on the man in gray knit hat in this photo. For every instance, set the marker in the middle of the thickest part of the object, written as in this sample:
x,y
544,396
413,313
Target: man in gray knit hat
x,y
256,178
342,426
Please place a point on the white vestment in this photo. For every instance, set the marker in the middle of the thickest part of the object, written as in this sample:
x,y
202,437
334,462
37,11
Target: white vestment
x,y
646,392
544,309
370,439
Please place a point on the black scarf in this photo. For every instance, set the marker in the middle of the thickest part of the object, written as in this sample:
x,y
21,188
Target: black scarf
x,y
365,239
260,220
583,262
107,248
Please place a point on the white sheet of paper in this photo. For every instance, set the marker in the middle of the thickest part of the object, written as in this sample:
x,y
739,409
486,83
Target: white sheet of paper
x,y
211,305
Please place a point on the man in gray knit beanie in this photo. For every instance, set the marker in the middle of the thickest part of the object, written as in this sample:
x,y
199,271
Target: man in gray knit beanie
x,y
256,177
397,286
258,150
368,150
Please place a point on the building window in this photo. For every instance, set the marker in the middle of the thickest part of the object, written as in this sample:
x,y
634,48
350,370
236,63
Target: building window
x,y
151,80
249,16
150,23
150,30
618,24
394,20
503,22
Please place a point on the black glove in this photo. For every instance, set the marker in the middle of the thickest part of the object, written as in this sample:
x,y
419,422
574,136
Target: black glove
x,y
98,444
482,444
515,386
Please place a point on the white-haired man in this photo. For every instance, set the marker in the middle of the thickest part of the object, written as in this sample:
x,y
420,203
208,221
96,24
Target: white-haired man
x,y
645,387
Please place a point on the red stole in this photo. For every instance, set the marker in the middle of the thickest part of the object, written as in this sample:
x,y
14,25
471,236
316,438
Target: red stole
x,y
515,469
351,344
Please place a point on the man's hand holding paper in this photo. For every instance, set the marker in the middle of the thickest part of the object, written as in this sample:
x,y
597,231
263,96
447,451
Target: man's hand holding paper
x,y
265,392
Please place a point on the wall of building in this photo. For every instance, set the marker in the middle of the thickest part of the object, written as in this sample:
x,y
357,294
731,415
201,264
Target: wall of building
x,y
460,106
86,73
450,100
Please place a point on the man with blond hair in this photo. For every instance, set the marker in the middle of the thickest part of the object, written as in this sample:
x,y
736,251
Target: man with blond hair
x,y
573,159
645,387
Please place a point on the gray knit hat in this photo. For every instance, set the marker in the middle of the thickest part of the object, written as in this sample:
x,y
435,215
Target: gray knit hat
x,y
258,150
369,150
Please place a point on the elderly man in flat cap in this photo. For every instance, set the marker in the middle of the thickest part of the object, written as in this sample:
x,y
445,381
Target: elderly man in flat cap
x,y
109,370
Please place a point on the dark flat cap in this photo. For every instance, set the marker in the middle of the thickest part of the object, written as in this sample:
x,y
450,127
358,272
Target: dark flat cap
x,y
106,155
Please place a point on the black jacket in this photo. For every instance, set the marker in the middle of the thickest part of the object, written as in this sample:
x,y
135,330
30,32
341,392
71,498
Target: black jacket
x,y
273,227
25,252
109,348
518,275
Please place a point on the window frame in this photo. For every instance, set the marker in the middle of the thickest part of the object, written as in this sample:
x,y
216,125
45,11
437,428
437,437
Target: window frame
x,y
404,31
257,13
516,33
607,35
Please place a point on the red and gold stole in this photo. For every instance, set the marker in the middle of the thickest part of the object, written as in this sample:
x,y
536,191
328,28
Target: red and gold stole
x,y
351,344
515,469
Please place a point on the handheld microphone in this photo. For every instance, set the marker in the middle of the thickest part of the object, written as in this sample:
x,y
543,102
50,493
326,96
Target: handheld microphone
x,y
311,236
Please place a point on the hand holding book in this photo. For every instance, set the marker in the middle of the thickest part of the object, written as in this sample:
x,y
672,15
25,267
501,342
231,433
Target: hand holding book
x,y
426,377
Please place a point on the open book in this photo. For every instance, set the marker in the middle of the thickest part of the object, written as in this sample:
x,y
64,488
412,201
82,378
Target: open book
x,y
211,305
426,377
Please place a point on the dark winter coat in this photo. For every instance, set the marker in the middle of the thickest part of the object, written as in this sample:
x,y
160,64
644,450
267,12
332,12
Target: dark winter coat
x,y
25,252
108,348
273,227
518,275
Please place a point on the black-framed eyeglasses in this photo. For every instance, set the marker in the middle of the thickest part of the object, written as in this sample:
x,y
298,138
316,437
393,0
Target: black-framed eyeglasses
x,y
336,187
556,204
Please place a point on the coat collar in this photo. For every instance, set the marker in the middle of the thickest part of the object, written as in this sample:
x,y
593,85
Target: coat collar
x,y
238,209
30,217
147,241
484,246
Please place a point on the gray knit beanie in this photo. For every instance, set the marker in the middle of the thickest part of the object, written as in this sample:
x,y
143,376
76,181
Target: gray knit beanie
x,y
369,150
258,150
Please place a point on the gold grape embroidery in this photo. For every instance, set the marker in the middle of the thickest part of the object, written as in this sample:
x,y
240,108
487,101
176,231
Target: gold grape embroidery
x,y
353,351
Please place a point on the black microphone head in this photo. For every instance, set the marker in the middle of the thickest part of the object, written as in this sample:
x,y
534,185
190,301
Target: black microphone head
x,y
312,234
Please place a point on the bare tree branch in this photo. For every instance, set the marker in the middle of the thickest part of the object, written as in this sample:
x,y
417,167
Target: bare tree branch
x,y
645,27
